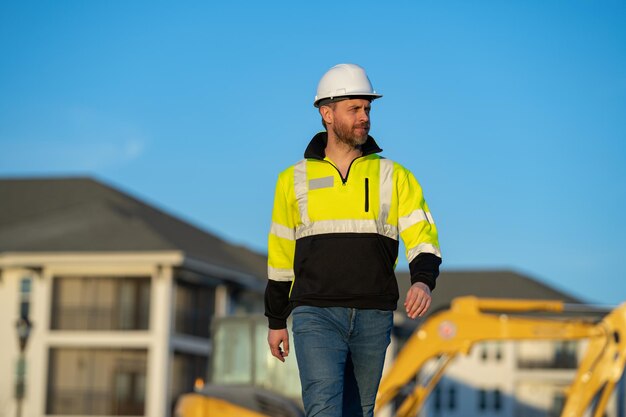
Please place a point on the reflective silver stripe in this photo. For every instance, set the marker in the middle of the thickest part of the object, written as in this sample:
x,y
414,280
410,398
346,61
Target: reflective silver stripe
x,y
324,182
422,248
347,226
300,187
282,231
379,226
430,218
415,217
280,274
386,189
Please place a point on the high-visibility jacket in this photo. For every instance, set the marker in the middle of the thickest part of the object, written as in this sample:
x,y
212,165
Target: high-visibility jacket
x,y
334,241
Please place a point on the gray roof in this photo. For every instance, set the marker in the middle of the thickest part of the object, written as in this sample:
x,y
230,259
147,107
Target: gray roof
x,y
485,284
85,215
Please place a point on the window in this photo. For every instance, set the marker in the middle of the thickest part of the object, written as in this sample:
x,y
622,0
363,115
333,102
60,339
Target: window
x,y
232,363
96,382
100,303
558,402
565,356
482,399
195,306
497,400
484,352
499,352
444,397
491,351
452,397
547,355
241,357
129,389
489,400
437,398
186,369
268,373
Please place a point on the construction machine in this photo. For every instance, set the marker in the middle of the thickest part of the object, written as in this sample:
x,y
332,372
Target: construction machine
x,y
469,320
246,381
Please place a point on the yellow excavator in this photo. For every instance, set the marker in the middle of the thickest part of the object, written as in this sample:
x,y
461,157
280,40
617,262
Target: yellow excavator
x,y
470,320
246,381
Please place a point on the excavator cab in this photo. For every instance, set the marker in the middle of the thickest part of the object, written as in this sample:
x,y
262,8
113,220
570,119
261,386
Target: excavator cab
x,y
245,380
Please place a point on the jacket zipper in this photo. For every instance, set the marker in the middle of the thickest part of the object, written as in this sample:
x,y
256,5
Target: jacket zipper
x,y
343,180
367,195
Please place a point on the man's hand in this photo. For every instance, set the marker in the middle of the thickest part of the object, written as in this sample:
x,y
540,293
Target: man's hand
x,y
417,300
275,338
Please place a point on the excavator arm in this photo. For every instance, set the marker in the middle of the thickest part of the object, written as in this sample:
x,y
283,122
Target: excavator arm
x,y
601,368
470,320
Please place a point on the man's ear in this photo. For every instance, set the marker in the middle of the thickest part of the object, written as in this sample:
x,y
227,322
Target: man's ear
x,y
327,114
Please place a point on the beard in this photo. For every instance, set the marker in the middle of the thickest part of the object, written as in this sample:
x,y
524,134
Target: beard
x,y
349,135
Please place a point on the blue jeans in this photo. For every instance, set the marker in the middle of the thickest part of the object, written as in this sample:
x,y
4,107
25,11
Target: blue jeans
x,y
340,352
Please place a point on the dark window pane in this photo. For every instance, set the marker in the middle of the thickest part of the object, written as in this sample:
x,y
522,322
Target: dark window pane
x,y
499,352
187,369
497,399
96,382
565,356
100,303
437,399
558,402
483,352
195,306
452,398
482,399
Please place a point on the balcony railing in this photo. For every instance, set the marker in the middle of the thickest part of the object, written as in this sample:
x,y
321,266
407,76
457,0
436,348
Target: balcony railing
x,y
90,402
98,318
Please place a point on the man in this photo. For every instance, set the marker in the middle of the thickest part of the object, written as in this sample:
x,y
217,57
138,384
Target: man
x,y
333,246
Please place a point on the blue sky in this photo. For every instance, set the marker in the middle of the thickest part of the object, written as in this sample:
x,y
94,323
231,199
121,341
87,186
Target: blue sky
x,y
510,114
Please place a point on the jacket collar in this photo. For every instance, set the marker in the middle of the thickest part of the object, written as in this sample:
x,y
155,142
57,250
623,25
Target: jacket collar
x,y
317,146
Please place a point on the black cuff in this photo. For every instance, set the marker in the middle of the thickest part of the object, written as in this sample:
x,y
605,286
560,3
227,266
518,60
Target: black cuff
x,y
277,324
425,268
277,305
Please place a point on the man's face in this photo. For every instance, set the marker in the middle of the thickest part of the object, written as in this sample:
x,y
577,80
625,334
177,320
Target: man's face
x,y
351,121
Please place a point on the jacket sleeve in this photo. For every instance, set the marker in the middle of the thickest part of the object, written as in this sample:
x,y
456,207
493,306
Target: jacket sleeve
x,y
281,249
418,231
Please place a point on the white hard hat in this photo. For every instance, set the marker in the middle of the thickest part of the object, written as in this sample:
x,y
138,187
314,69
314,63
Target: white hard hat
x,y
344,80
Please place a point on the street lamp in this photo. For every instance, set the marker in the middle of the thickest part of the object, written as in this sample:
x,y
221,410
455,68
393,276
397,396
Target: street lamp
x,y
23,326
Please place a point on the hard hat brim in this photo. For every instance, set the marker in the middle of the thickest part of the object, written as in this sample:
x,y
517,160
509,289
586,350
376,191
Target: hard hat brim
x,y
327,100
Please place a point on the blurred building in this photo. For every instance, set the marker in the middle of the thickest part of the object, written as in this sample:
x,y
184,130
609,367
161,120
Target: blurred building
x,y
119,294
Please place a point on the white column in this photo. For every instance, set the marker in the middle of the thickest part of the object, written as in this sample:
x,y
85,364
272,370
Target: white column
x,y
9,350
159,353
35,358
37,349
221,301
